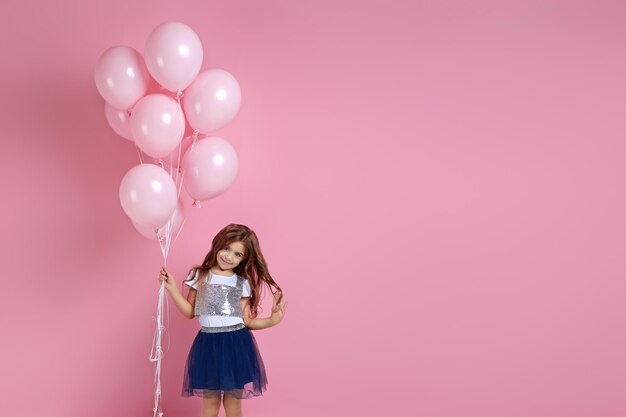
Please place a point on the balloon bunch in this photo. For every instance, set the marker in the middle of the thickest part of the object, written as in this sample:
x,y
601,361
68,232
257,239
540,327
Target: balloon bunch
x,y
156,122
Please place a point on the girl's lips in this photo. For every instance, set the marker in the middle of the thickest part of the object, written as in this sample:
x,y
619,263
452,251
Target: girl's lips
x,y
226,262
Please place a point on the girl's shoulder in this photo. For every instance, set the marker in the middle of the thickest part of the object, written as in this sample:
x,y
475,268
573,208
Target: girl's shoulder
x,y
242,279
245,286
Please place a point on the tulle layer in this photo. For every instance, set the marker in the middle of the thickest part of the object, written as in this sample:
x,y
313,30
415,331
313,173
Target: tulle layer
x,y
226,363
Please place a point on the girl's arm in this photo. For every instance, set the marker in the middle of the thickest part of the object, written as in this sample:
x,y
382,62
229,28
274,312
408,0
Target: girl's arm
x,y
186,306
278,312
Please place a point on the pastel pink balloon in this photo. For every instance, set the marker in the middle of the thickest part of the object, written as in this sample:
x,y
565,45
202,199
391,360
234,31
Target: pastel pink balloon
x,y
173,55
148,195
121,76
177,222
210,167
118,120
157,125
212,100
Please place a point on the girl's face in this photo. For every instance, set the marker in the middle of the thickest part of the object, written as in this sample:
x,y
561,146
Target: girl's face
x,y
229,257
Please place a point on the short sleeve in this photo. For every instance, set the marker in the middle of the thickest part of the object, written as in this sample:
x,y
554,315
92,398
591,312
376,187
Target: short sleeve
x,y
193,283
246,289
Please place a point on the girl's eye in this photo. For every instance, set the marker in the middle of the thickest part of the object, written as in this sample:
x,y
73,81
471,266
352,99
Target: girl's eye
x,y
239,255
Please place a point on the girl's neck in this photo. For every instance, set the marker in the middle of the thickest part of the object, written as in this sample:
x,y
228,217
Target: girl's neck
x,y
216,270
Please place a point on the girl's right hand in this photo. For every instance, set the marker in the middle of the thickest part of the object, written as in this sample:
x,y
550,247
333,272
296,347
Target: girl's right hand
x,y
165,276
278,310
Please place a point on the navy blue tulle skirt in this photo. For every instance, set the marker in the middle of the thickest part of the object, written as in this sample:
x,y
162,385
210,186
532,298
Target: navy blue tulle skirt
x,y
224,363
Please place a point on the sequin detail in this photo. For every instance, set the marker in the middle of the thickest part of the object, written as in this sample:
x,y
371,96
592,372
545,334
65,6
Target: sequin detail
x,y
219,299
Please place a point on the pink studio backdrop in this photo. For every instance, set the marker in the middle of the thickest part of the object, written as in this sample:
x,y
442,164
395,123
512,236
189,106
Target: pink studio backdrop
x,y
438,187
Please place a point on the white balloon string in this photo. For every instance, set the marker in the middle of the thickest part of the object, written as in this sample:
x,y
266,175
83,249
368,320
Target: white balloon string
x,y
156,353
179,95
195,137
179,230
180,185
165,241
180,147
139,154
164,237
161,240
169,240
167,317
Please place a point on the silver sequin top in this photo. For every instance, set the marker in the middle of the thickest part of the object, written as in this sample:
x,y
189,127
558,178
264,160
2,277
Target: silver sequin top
x,y
219,299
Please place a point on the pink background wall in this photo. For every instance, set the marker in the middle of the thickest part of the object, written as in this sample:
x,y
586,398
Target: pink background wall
x,y
438,187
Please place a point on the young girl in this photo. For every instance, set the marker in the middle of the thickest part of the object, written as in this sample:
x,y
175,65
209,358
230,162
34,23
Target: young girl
x,y
224,363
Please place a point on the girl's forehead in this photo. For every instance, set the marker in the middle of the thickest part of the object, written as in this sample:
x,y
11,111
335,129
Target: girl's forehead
x,y
238,246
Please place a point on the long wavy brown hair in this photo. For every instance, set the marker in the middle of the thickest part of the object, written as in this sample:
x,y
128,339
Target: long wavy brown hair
x,y
252,267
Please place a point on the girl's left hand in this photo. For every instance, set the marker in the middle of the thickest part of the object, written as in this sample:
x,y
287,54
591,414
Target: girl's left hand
x,y
278,310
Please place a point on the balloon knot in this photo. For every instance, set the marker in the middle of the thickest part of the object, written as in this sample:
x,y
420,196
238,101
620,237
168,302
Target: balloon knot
x,y
179,94
195,134
160,163
196,204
